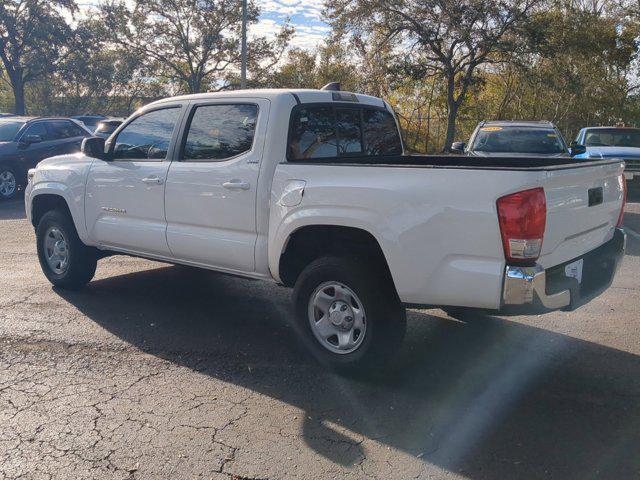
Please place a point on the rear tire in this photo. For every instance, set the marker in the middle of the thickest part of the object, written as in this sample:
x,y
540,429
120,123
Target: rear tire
x,y
348,314
65,260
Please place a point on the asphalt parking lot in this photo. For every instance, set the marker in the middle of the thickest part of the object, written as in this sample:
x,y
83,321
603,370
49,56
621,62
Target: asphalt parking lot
x,y
166,372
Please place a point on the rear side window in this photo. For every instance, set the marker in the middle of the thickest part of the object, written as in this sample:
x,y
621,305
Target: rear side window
x,y
59,129
381,135
219,132
327,131
313,134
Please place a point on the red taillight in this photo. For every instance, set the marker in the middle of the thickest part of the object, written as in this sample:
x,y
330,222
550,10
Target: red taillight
x,y
624,200
522,218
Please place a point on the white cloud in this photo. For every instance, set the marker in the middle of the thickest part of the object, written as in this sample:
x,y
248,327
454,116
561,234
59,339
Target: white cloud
x,y
311,9
304,15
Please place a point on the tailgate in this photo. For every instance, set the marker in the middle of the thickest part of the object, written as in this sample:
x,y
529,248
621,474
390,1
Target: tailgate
x,y
583,205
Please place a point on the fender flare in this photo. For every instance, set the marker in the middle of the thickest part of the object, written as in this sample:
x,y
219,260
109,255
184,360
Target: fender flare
x,y
76,207
280,240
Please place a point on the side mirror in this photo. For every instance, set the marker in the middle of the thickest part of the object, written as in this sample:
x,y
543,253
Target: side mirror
x,y
458,147
29,139
94,147
577,149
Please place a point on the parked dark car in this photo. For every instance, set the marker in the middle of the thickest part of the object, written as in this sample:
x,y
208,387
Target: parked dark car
x,y
90,121
106,127
25,141
517,138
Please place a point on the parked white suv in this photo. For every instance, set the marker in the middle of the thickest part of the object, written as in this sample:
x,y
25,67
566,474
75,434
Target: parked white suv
x,y
311,189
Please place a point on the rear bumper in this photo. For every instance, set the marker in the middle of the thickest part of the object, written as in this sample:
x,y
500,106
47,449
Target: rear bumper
x,y
533,289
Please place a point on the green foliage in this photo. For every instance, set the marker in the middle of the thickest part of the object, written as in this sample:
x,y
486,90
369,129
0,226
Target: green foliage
x,y
34,39
313,69
572,66
193,44
451,39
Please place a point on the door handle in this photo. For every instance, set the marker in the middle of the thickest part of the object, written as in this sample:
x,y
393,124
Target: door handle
x,y
153,180
236,185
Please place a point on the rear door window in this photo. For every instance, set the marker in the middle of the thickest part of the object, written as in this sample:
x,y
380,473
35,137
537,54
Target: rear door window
x,y
327,131
219,132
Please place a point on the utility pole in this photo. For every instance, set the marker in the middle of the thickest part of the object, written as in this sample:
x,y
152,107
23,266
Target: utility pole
x,y
243,67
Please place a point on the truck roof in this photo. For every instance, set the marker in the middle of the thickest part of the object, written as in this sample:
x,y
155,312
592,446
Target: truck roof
x,y
275,94
518,123
611,128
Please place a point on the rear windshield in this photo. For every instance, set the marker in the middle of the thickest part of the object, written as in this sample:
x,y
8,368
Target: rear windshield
x,y
613,137
339,132
518,140
8,130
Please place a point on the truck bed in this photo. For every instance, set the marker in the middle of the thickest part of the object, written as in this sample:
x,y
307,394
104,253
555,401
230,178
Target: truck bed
x,y
435,217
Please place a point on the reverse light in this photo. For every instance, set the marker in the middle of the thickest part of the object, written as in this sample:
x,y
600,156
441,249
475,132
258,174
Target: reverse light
x,y
623,185
522,217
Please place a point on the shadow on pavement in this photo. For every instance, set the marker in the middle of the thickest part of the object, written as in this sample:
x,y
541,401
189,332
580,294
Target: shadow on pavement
x,y
632,221
482,396
12,209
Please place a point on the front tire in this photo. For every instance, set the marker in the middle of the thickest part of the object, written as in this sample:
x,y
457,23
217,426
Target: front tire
x,y
348,314
8,183
65,260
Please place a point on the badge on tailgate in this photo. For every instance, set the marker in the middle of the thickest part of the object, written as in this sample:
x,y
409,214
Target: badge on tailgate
x,y
595,196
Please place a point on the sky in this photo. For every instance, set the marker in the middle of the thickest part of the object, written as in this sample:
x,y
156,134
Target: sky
x,y
304,15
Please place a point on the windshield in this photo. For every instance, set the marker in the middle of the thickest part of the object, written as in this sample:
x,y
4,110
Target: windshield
x,y
613,137
8,130
518,140
107,127
90,123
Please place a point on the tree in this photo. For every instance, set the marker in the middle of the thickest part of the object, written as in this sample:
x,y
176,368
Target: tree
x,y
448,38
33,39
97,76
329,62
577,69
193,43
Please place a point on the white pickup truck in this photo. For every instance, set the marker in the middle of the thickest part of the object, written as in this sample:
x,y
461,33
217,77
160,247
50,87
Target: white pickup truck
x,y
311,189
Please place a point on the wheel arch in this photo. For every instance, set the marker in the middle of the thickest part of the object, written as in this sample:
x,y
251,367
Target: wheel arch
x,y
42,203
310,242
46,195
